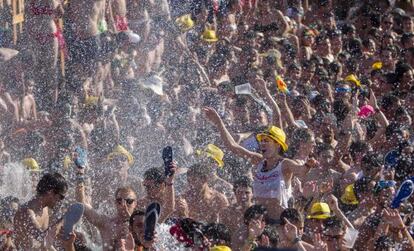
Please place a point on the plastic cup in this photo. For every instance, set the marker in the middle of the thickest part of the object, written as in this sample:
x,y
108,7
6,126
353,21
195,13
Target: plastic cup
x,y
350,237
244,89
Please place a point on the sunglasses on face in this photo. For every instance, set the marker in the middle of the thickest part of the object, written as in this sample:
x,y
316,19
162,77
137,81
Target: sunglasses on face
x,y
128,201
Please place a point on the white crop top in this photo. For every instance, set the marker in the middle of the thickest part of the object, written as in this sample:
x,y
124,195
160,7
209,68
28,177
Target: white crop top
x,y
271,184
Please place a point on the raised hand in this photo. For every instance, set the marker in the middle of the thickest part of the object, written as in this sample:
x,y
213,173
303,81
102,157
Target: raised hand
x,y
373,100
290,230
310,189
392,218
212,115
256,228
319,244
312,163
259,84
173,168
332,202
68,244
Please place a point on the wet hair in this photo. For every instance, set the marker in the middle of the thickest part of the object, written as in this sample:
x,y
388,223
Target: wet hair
x,y
351,64
340,109
243,181
362,186
324,147
393,129
355,47
403,169
405,18
294,66
292,215
389,101
218,233
155,174
334,67
406,37
52,182
198,170
401,69
302,134
348,28
254,212
272,234
390,48
372,161
384,243
124,189
358,147
333,222
372,128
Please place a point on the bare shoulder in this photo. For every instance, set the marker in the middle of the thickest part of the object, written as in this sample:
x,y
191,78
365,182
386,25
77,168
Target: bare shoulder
x,y
219,199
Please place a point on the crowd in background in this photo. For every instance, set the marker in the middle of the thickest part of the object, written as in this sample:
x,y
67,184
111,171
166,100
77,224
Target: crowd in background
x,y
290,123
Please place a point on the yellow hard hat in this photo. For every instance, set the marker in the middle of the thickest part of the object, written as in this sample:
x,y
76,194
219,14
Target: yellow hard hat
x,y
31,165
276,134
213,152
320,211
185,22
349,197
120,150
209,36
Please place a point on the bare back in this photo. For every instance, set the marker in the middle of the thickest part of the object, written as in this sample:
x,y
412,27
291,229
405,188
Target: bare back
x,y
27,224
84,17
207,209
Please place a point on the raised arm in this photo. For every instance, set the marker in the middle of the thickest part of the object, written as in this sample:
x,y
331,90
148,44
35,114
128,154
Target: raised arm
x,y
260,86
287,112
229,141
169,198
90,214
292,168
333,204
380,117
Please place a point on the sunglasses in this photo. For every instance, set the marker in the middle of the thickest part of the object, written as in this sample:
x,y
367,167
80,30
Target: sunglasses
x,y
128,201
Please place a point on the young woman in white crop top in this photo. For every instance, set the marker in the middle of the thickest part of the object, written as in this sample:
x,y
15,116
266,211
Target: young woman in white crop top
x,y
273,173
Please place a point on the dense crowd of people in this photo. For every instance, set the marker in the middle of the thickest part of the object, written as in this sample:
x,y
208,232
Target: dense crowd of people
x,y
290,124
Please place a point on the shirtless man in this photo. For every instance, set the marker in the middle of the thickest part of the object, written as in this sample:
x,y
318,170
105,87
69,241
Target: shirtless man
x,y
149,20
82,36
13,65
233,215
43,38
114,229
32,225
159,189
115,174
204,203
